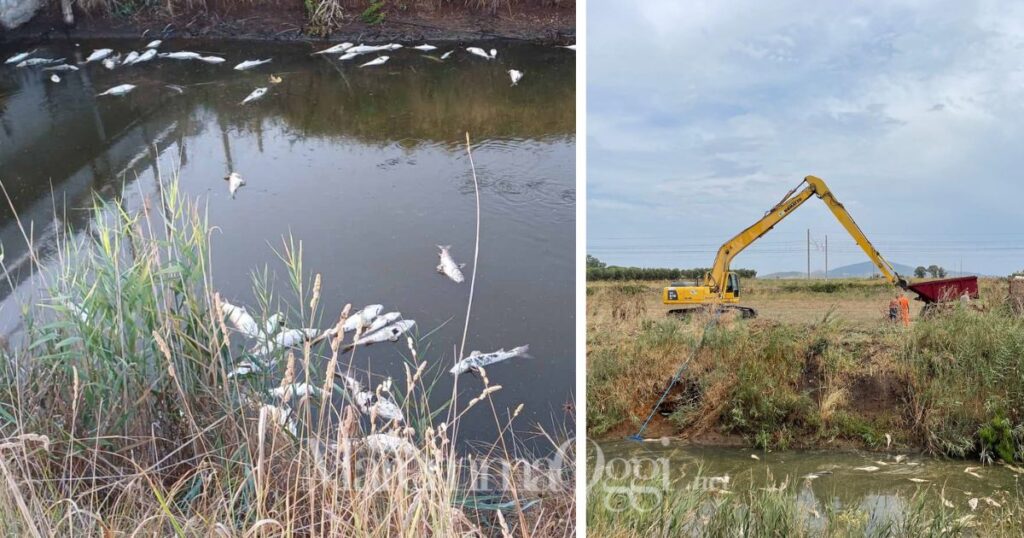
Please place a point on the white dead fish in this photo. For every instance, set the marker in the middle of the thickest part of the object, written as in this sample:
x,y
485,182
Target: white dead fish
x,y
98,54
348,56
917,480
235,182
119,90
256,94
425,47
130,59
273,324
244,368
970,471
249,64
211,59
869,468
109,63
381,321
21,56
392,46
280,415
154,44
31,62
295,389
516,76
476,359
289,338
54,78
447,54
900,458
369,403
340,47
755,457
146,56
61,67
447,266
386,443
239,317
363,49
389,333
363,317
376,61
811,476
477,51
181,55
175,88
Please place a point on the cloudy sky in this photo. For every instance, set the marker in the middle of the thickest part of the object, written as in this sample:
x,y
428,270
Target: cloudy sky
x,y
703,114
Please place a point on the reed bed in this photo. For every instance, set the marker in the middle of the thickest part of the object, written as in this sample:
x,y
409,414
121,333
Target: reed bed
x,y
118,415
685,510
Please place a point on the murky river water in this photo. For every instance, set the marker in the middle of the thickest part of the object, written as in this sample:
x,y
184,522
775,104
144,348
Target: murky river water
x,y
366,167
883,494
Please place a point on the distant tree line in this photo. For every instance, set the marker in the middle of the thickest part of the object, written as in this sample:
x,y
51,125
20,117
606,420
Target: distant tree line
x,y
933,271
598,270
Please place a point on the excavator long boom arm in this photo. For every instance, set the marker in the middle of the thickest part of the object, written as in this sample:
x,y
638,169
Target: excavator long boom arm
x,y
716,278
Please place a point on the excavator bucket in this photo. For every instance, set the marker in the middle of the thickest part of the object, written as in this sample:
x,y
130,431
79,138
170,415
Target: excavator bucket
x,y
947,289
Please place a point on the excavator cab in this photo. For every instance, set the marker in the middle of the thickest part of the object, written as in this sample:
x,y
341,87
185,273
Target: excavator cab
x,y
733,285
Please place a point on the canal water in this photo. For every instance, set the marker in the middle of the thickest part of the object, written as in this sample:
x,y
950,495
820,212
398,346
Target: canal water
x,y
366,167
876,484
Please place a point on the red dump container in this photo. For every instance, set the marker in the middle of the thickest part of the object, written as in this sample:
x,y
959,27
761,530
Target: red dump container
x,y
947,289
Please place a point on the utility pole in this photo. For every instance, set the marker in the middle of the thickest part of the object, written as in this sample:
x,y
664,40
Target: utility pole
x,y
826,257
808,254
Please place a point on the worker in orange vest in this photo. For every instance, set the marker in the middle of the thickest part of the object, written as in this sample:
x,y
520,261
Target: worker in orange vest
x,y
894,309
904,309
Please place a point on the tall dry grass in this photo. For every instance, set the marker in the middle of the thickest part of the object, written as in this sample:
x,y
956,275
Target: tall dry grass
x,y
118,415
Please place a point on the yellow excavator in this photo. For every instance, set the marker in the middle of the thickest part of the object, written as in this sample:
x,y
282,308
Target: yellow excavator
x,y
721,288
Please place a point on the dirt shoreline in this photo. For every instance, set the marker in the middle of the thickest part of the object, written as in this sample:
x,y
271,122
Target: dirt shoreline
x,y
286,23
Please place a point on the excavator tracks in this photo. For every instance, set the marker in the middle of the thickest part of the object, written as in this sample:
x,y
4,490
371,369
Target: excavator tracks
x,y
743,312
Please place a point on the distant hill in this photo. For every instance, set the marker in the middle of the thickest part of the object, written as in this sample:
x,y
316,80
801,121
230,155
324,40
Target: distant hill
x,y
857,270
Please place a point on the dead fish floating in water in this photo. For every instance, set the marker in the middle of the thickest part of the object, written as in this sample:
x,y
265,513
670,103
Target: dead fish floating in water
x,y
477,51
32,62
917,480
363,317
348,55
130,59
181,55
516,76
235,182
154,44
274,79
380,60
369,403
175,88
145,56
240,319
340,47
211,59
289,338
54,78
295,390
249,64
20,56
389,333
109,63
389,444
477,360
121,89
447,54
869,468
61,67
381,321
256,94
447,266
425,47
98,54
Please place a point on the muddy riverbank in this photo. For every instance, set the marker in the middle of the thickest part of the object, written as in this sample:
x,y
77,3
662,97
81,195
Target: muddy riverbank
x,y
290,22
